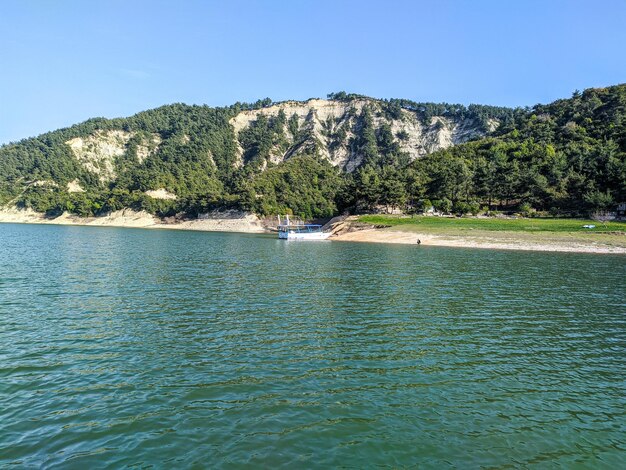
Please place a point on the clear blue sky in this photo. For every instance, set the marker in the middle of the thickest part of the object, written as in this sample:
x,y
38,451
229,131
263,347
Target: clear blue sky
x,y
64,61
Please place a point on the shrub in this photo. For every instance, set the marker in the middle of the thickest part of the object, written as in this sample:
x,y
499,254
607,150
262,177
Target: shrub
x,y
444,205
461,208
526,210
474,207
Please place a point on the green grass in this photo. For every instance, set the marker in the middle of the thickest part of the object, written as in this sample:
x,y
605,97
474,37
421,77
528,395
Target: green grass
x,y
439,224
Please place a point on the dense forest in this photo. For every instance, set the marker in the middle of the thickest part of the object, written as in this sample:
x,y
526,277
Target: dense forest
x,y
567,157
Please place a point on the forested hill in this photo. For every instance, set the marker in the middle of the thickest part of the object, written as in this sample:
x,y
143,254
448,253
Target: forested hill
x,y
565,157
320,157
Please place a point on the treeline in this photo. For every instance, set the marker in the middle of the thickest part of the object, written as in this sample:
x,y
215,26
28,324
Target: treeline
x,y
565,157
499,174
482,114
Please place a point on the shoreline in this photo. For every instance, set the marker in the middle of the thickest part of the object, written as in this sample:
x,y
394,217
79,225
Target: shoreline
x,y
239,222
510,241
127,218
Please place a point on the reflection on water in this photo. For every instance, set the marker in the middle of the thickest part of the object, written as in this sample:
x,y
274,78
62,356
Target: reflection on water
x,y
124,347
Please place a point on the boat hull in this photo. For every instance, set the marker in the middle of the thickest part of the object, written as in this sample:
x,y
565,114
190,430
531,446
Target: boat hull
x,y
314,236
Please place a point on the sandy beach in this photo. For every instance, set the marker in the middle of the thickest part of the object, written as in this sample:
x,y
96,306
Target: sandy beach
x,y
492,240
214,222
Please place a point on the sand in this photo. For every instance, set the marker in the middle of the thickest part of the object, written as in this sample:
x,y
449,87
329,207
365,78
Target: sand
x,y
499,241
214,222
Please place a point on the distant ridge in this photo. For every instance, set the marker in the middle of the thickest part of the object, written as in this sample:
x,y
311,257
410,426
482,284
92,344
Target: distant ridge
x,y
320,157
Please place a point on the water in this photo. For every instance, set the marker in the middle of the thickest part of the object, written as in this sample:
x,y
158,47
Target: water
x,y
122,347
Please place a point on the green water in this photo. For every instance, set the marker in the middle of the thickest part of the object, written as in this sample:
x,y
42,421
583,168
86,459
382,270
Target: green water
x,y
122,347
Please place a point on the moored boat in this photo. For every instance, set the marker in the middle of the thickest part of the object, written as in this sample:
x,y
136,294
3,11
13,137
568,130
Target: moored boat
x,y
300,231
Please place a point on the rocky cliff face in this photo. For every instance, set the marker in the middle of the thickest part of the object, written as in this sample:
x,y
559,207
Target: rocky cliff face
x,y
330,128
97,153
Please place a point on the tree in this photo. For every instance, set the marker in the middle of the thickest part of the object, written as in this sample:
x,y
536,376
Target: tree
x,y
598,200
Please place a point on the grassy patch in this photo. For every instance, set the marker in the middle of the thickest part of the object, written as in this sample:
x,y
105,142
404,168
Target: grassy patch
x,y
446,224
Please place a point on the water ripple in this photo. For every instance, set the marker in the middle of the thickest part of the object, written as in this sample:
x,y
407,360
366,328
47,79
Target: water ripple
x,y
156,348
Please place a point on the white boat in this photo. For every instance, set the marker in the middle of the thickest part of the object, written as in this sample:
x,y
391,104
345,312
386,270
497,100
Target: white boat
x,y
300,231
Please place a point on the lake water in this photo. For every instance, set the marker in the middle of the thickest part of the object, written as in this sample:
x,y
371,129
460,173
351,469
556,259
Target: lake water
x,y
126,347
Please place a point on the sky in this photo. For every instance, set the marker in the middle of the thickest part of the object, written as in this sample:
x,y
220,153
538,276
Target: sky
x,y
65,61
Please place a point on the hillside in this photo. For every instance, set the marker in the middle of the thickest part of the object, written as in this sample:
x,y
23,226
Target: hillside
x,y
319,157
566,157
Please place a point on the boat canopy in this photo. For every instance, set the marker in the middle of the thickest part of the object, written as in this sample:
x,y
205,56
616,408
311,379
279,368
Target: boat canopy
x,y
300,228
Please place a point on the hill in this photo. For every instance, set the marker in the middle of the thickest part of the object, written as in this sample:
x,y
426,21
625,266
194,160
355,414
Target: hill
x,y
319,157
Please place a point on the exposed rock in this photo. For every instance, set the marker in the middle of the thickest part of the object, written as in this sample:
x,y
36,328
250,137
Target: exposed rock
x,y
74,187
325,127
44,183
97,152
224,221
325,119
148,147
121,218
125,218
161,193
